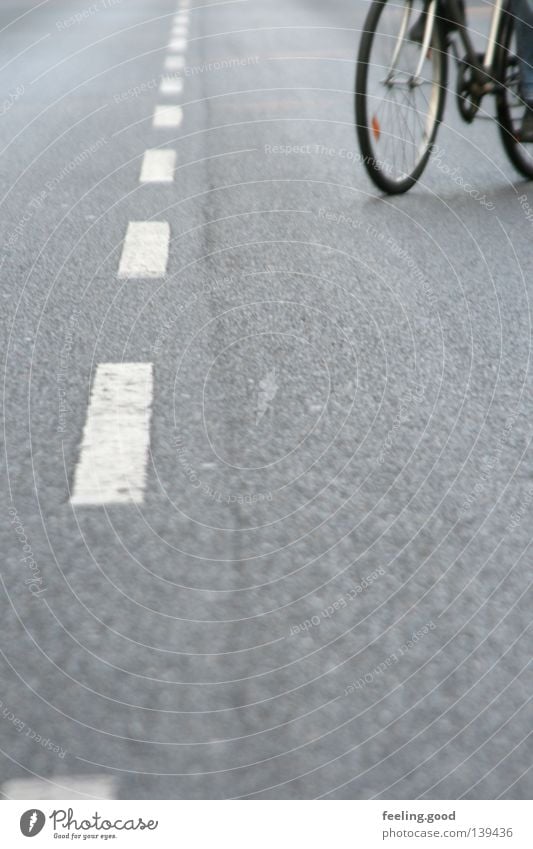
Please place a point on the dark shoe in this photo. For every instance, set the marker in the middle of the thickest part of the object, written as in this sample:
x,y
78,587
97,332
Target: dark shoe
x,y
525,133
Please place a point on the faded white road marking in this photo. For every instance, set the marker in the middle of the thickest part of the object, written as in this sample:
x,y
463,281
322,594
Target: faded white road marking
x,y
174,63
180,31
145,249
61,787
167,116
116,438
181,18
171,85
177,45
158,166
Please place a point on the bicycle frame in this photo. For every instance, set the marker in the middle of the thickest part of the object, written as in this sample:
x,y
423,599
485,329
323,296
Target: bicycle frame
x,y
484,68
398,55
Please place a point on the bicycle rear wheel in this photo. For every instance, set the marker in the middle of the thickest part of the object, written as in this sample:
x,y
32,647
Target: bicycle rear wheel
x,y
509,105
400,91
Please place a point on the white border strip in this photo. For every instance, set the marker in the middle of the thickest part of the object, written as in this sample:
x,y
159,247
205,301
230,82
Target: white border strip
x,y
59,786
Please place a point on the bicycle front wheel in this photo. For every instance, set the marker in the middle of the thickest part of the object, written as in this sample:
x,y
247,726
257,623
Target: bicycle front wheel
x,y
400,91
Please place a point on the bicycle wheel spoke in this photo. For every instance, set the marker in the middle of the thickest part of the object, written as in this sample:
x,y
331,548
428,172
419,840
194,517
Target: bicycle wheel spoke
x,y
403,113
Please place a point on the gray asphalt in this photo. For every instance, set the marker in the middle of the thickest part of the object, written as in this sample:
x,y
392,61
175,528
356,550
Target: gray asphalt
x,y
348,373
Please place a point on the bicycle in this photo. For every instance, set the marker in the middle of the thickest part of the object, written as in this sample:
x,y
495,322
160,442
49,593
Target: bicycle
x,y
400,86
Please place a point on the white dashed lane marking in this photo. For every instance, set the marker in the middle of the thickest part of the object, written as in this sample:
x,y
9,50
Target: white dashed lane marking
x,y
145,249
174,63
158,166
116,438
177,45
167,116
61,787
171,85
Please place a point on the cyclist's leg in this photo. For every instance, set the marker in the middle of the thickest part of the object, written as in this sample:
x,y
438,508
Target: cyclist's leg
x,y
416,33
523,12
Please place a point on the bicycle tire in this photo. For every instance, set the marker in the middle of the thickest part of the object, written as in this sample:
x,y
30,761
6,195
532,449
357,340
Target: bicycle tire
x,y
364,129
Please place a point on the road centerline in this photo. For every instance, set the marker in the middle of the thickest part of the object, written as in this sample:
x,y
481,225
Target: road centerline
x,y
158,166
114,451
145,249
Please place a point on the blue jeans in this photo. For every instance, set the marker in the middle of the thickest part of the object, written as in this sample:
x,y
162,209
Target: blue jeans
x,y
523,10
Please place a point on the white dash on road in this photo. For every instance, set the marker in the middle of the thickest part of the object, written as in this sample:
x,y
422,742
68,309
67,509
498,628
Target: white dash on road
x,y
181,18
158,166
116,437
174,63
171,85
177,45
180,31
145,249
61,787
167,116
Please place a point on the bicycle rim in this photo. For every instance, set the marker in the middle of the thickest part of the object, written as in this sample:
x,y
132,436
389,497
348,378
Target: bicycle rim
x,y
399,94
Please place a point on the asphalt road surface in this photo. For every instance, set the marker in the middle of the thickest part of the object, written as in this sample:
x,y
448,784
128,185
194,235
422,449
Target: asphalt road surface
x,y
267,434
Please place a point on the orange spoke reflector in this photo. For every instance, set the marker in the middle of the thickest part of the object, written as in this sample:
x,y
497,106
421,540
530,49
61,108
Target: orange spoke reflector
x,y
376,129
